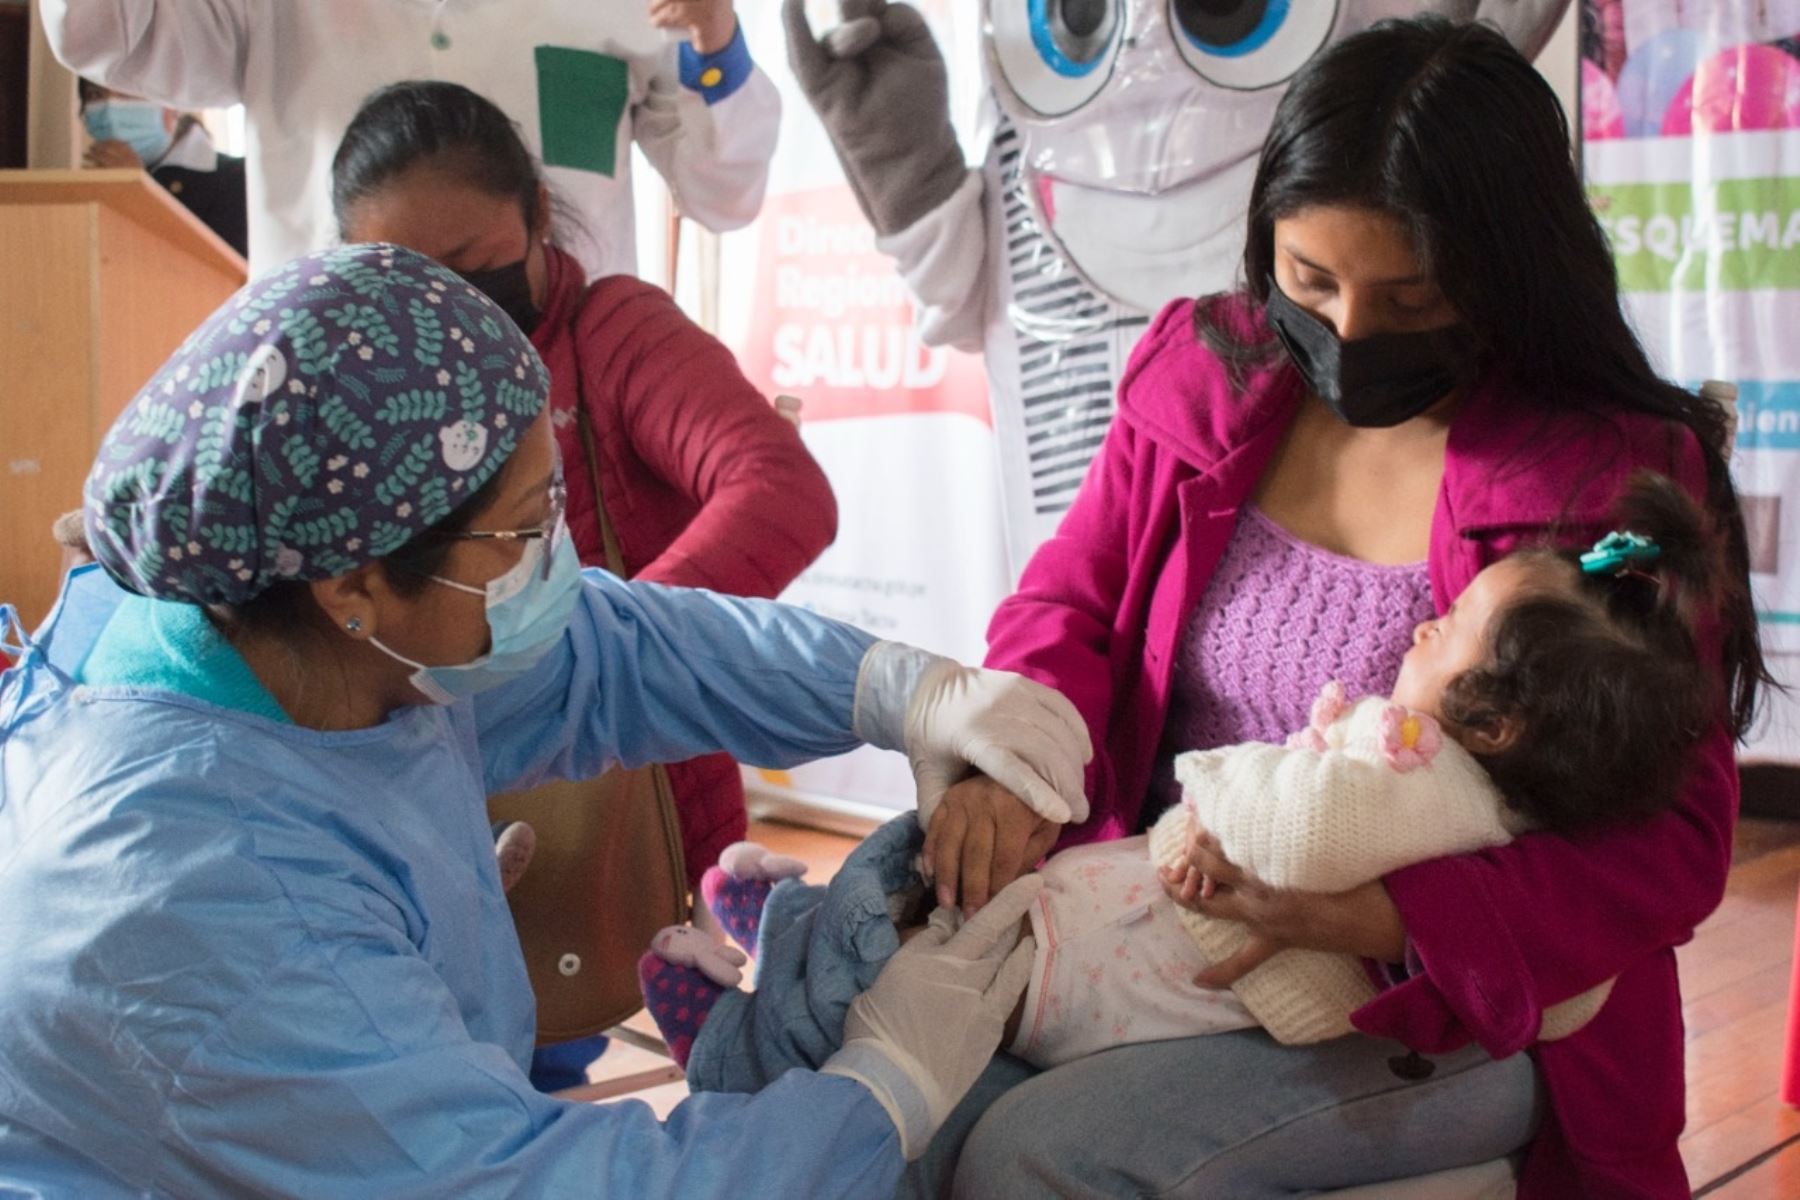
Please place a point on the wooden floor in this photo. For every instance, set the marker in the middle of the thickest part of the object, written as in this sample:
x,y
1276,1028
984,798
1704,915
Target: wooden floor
x,y
1741,1142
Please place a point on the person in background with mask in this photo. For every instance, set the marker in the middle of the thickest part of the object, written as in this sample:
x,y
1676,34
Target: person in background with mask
x,y
254,932
585,79
1427,367
704,482
132,134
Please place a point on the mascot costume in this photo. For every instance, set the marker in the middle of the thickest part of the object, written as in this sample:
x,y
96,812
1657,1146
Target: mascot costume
x,y
1124,137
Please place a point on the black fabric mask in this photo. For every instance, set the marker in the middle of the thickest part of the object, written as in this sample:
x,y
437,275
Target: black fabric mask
x,y
510,288
1377,381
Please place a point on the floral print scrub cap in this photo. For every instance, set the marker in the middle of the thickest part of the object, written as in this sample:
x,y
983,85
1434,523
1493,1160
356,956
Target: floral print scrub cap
x,y
328,413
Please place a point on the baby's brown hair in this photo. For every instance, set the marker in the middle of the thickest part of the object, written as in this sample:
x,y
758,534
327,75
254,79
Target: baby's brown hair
x,y
1597,668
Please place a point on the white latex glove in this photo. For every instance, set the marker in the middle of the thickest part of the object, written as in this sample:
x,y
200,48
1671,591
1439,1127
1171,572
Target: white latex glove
x,y
952,720
924,1033
686,946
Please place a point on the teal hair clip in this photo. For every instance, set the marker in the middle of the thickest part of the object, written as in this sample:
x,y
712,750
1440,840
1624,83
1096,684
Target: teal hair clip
x,y
1617,552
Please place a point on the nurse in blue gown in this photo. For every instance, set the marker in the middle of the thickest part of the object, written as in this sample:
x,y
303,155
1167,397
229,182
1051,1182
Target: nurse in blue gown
x,y
252,938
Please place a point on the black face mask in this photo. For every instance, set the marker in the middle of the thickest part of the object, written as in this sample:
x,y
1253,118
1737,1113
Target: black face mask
x,y
510,288
1378,381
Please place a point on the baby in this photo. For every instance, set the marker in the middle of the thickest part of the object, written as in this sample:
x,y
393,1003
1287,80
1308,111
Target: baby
x,y
1558,692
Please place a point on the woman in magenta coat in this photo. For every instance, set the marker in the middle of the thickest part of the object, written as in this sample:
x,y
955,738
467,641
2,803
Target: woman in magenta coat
x,y
705,483
1427,368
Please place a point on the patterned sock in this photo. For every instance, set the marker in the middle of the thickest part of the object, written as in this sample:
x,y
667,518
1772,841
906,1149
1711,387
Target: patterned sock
x,y
679,999
737,903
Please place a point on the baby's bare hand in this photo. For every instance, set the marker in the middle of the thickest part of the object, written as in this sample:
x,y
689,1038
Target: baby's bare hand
x,y
1183,884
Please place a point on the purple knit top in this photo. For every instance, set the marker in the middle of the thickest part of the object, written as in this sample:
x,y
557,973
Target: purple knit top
x,y
1280,619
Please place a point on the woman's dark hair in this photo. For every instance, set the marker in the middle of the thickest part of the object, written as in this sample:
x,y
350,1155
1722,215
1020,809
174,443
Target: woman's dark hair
x,y
445,125
1447,128
286,609
1600,675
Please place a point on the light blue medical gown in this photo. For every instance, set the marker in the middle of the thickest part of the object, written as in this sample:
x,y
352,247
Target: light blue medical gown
x,y
244,958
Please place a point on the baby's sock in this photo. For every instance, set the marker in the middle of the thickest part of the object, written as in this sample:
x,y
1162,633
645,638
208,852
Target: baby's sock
x,y
679,998
737,903
817,950
736,890
682,976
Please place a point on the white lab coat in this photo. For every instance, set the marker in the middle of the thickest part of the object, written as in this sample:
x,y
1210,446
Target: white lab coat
x,y
302,68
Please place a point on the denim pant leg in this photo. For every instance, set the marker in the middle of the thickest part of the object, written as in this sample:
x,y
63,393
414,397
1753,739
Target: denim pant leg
x,y
1238,1115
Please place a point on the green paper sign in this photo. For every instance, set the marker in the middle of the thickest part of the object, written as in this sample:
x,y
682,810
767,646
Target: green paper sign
x,y
581,95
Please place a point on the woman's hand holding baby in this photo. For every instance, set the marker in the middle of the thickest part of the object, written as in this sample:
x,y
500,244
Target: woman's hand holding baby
x,y
1362,921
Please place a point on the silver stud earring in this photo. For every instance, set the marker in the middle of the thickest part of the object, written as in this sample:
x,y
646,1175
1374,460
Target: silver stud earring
x,y
354,624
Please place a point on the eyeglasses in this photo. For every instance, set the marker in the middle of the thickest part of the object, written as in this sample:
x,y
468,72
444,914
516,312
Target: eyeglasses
x,y
549,531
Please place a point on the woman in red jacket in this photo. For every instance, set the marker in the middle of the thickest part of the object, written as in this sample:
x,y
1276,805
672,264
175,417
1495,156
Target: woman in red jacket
x,y
705,484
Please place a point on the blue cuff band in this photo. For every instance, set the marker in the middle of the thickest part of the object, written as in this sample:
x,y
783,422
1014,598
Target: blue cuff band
x,y
716,76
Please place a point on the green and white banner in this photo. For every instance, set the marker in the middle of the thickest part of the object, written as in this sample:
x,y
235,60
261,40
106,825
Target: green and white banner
x,y
1691,123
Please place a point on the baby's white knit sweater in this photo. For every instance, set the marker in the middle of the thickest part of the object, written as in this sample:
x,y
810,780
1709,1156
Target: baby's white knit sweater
x,y
1365,790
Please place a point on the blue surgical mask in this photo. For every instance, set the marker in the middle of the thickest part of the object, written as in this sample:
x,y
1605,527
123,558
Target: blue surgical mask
x,y
528,610
137,123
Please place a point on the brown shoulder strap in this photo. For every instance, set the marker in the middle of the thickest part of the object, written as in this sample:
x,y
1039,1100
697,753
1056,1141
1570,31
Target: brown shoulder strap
x,y
615,560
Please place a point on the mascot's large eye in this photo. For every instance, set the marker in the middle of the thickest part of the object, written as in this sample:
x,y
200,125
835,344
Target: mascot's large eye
x,y
1250,44
1056,54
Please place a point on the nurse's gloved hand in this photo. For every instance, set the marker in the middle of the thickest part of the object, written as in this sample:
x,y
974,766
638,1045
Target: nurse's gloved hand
x,y
922,1035
953,720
